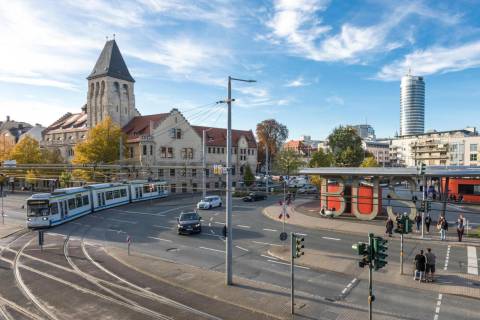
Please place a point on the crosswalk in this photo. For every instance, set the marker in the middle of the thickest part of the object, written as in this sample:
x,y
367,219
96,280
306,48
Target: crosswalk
x,y
472,260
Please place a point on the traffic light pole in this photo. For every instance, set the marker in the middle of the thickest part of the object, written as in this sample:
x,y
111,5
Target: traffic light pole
x,y
425,204
370,276
292,285
401,253
229,243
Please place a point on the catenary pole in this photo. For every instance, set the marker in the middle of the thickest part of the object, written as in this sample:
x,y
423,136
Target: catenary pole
x,y
229,243
204,164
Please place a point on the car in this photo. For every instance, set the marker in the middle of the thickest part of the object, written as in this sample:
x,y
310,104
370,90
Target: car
x,y
189,222
254,197
308,189
210,202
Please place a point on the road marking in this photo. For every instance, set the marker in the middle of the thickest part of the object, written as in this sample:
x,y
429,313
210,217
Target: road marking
x,y
271,230
166,240
242,226
219,222
211,218
349,286
268,257
242,248
115,230
288,264
301,234
122,221
437,308
163,227
446,258
216,250
270,244
138,212
472,260
328,238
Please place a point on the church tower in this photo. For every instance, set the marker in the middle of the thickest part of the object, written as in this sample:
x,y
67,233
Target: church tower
x,y
110,89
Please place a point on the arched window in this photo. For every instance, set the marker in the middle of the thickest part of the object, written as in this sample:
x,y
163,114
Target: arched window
x,y
116,87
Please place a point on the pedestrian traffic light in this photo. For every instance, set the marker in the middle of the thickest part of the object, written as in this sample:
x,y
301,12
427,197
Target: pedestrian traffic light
x,y
408,224
297,246
362,249
400,226
429,205
380,247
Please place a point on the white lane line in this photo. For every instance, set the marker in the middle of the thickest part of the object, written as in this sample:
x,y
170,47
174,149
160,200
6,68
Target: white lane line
x,y
472,260
446,258
166,240
115,230
288,264
271,230
216,250
138,212
268,257
301,234
437,308
242,226
242,248
328,238
162,227
219,222
122,221
266,243
349,286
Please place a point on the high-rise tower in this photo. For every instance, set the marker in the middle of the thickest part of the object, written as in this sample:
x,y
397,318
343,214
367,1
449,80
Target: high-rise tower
x,y
110,89
412,105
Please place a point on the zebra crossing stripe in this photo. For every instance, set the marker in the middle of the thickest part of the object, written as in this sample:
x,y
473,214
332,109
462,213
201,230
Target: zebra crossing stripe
x,y
472,260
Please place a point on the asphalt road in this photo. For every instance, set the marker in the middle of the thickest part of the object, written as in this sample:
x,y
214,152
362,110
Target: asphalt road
x,y
152,225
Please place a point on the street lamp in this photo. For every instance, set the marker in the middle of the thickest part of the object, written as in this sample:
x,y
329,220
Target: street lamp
x,y
228,206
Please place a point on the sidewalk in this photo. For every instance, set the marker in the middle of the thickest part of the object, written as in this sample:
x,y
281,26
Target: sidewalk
x,y
352,225
8,229
461,284
266,300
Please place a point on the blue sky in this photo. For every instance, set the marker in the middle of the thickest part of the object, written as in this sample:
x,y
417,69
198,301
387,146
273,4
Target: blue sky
x,y
318,63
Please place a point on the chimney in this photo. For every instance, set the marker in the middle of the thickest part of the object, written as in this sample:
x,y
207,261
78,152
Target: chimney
x,y
8,118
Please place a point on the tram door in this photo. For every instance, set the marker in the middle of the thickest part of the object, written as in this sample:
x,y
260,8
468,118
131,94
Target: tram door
x,y
62,210
101,199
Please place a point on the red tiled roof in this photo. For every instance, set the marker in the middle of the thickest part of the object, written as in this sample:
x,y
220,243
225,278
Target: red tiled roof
x,y
140,125
68,122
218,136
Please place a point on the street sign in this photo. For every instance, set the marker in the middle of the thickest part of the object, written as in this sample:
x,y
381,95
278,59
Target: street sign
x,y
10,163
283,236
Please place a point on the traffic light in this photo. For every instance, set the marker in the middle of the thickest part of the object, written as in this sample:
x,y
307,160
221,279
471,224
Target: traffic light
x,y
380,247
429,206
422,206
362,249
421,169
400,226
408,224
297,246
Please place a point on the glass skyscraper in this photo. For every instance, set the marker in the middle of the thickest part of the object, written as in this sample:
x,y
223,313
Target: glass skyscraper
x,y
412,105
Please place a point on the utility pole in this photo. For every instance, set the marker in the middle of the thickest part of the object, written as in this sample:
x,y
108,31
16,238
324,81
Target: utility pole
x,y
204,164
266,167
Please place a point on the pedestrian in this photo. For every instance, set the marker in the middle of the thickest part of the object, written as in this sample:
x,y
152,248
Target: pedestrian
x,y
430,267
460,227
443,227
418,221
389,226
420,263
428,221
460,197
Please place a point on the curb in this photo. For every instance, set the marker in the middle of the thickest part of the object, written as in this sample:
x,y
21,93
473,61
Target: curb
x,y
13,232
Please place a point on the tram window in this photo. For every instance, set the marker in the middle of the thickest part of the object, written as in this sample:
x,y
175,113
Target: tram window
x,y
109,195
79,201
116,194
54,208
85,200
71,204
123,192
146,189
99,198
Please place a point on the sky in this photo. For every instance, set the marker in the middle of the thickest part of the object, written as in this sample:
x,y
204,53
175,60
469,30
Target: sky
x,y
318,63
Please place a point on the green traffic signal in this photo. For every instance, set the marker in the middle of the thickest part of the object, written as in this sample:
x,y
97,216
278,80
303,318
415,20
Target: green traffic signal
x,y
380,248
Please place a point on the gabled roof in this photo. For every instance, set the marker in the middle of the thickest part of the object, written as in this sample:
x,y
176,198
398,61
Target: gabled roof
x,y
68,122
218,136
111,63
140,125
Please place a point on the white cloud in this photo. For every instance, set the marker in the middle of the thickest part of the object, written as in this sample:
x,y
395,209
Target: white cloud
x,y
335,100
299,82
434,60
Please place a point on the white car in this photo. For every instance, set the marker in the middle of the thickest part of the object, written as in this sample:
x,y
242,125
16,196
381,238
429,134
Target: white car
x,y
209,202
308,189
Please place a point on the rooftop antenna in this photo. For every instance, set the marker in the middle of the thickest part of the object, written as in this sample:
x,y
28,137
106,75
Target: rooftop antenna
x,y
114,36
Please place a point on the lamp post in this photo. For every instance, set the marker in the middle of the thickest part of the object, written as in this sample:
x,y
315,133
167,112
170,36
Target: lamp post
x,y
204,161
228,202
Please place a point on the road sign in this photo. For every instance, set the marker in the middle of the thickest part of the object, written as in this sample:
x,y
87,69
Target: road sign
x,y
10,163
283,236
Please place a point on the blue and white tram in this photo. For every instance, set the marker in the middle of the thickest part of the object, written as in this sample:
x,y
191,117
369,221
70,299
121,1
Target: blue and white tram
x,y
50,209
144,190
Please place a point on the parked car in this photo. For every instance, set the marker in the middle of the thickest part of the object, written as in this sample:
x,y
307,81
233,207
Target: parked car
x,y
254,197
308,189
297,183
210,202
189,222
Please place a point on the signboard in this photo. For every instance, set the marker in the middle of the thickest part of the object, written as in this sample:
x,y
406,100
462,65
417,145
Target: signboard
x,y
10,163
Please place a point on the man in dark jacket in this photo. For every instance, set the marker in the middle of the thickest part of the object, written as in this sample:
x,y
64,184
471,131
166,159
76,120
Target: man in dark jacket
x,y
420,262
428,221
389,226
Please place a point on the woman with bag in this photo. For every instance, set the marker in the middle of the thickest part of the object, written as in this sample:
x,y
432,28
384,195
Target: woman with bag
x,y
460,227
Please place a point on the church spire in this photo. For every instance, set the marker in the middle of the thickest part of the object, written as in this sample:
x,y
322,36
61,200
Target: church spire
x,y
111,63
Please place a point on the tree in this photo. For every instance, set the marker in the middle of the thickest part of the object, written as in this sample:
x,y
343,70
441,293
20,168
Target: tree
x,y
369,162
287,162
31,178
346,147
52,156
320,159
65,179
272,134
248,177
6,145
27,150
102,144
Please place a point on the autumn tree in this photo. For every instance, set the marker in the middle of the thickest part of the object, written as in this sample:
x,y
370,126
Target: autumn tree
x,y
52,156
31,178
7,143
102,144
248,177
27,150
287,162
272,134
346,147
369,162
65,179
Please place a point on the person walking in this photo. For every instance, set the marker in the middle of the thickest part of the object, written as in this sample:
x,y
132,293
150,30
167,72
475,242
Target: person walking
x,y
430,265
428,221
389,226
460,227
420,263
418,221
443,226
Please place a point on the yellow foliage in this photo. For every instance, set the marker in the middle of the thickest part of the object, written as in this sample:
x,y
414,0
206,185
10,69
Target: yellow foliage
x,y
369,162
27,151
316,181
31,176
102,144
